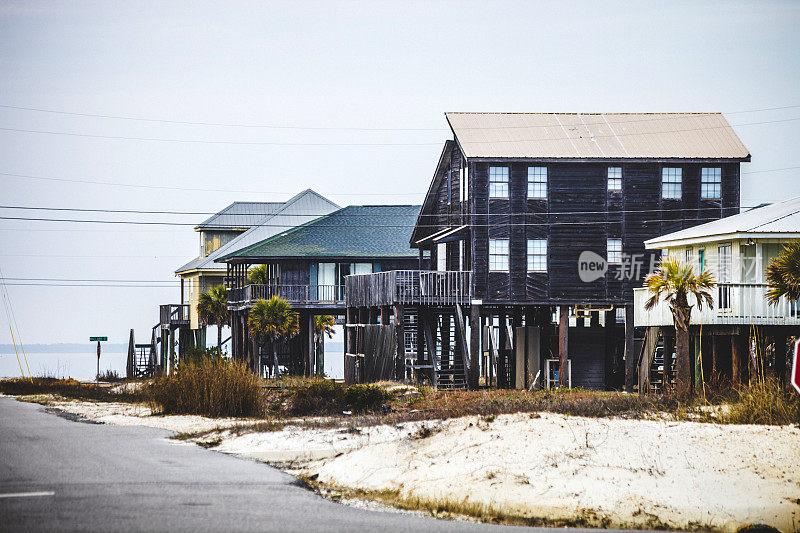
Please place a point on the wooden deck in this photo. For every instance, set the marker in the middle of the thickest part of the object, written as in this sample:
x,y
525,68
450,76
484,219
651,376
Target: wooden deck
x,y
408,287
174,314
300,296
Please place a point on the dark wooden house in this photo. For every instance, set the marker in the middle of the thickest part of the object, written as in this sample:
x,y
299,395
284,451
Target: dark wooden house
x,y
541,218
308,265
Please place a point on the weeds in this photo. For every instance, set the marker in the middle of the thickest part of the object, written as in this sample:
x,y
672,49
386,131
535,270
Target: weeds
x,y
320,397
212,387
68,388
764,402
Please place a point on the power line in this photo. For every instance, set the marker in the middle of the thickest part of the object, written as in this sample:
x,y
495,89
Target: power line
x,y
288,127
92,280
397,226
245,191
279,143
24,284
204,141
222,124
370,214
165,187
154,256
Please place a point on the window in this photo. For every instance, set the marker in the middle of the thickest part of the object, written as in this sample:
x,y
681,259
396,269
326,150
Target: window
x,y
537,255
689,256
537,182
614,178
441,257
711,183
724,276
614,250
498,255
671,183
498,182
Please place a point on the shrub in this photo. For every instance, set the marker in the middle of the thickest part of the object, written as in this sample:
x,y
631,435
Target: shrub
x,y
110,375
325,397
68,388
765,402
210,386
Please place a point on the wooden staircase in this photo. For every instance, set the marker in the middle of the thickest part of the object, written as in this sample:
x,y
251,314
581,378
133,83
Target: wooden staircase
x,y
447,345
143,358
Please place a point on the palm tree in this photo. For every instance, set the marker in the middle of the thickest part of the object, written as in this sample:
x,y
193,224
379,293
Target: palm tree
x,y
783,274
259,275
273,320
673,281
212,308
323,325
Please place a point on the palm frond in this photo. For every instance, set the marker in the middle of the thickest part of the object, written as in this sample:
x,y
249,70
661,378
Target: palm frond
x,y
783,274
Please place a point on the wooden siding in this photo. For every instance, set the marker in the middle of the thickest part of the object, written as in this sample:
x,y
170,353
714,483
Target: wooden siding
x,y
580,214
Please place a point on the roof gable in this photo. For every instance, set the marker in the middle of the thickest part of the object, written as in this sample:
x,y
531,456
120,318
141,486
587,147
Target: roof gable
x,y
301,208
239,215
354,232
596,136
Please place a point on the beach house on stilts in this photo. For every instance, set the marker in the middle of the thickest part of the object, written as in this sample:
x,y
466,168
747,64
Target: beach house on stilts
x,y
531,240
741,333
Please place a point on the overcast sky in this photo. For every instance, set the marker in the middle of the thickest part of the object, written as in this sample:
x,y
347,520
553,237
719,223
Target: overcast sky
x,y
318,65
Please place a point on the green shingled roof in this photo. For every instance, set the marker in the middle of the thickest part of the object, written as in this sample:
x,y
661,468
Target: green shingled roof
x,y
356,231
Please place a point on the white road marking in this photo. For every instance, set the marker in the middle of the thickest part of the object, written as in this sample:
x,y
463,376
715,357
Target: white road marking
x,y
26,494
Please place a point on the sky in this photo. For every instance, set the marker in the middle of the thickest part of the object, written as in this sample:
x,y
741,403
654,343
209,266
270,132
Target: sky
x,y
346,98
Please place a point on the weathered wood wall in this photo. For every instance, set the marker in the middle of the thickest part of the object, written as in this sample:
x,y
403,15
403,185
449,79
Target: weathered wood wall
x,y
580,214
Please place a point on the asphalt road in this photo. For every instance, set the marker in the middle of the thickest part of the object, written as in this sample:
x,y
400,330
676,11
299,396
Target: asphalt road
x,y
62,475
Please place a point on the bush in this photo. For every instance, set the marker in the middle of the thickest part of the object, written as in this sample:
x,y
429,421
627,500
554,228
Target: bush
x,y
209,386
109,376
765,402
320,396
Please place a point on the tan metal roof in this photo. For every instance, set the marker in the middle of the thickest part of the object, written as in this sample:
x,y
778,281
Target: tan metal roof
x,y
597,135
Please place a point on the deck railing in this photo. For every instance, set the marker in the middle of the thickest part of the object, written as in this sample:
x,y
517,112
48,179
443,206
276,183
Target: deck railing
x,y
292,293
174,314
734,303
410,287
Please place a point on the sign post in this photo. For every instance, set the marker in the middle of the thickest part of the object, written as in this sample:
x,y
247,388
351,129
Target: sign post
x,y
796,366
99,340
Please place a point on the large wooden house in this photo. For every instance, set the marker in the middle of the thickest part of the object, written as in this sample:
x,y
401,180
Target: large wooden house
x,y
308,266
531,241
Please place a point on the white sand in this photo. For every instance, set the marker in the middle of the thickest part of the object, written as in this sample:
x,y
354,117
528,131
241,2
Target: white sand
x,y
631,472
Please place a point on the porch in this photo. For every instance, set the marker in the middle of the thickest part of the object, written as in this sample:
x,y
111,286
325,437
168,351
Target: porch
x,y
734,304
300,296
408,287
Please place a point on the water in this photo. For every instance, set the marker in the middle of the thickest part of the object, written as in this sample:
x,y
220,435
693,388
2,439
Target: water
x,y
83,366
80,366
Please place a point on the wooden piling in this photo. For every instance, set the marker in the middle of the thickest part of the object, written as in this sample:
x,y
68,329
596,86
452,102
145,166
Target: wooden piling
x,y
563,345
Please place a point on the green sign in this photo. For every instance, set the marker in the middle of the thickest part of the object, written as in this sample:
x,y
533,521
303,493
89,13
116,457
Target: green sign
x,y
92,339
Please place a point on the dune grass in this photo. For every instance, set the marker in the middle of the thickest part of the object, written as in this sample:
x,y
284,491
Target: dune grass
x,y
214,387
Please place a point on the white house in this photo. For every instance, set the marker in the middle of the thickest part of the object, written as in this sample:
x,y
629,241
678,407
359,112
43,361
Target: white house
x,y
737,250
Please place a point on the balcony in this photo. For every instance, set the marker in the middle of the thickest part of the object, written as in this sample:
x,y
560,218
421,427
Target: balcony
x,y
174,314
301,296
408,287
734,304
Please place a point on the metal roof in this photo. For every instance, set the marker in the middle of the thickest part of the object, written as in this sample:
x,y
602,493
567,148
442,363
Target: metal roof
x,y
778,220
303,207
596,136
356,231
239,215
